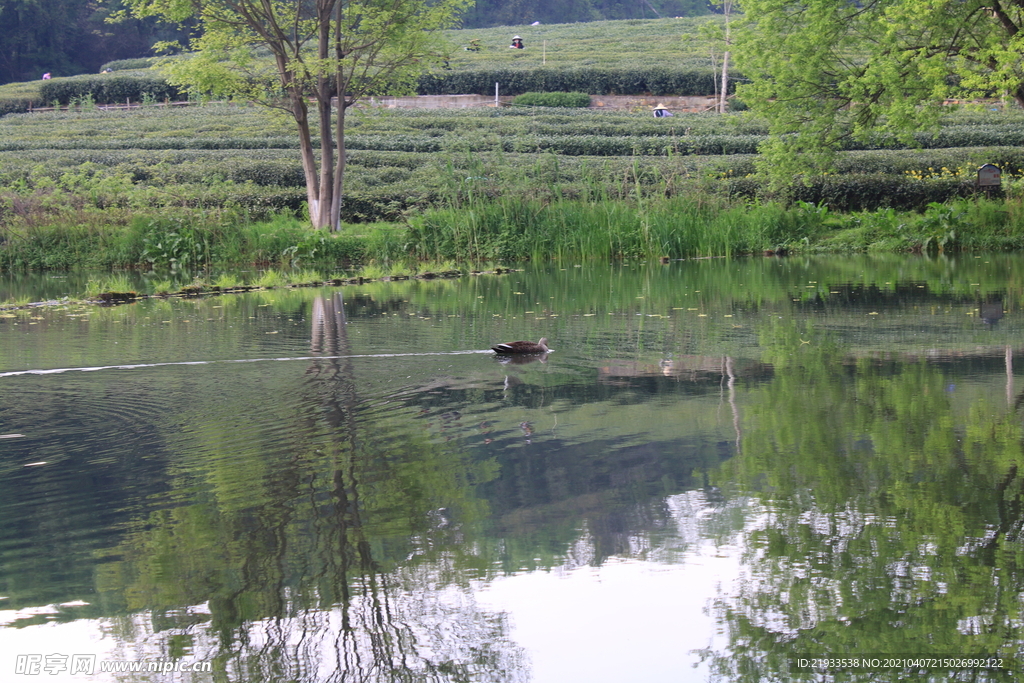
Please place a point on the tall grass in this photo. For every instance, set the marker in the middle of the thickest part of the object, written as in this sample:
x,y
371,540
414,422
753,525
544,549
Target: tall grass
x,y
511,228
631,222
189,240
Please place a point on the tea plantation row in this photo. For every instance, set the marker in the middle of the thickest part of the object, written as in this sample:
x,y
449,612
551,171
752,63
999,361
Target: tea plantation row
x,y
398,160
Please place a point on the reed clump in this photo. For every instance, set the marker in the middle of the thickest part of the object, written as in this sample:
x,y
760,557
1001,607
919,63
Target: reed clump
x,y
515,228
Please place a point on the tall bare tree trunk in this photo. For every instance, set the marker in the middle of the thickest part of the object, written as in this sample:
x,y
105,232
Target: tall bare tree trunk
x,y
324,95
339,170
724,101
300,112
326,189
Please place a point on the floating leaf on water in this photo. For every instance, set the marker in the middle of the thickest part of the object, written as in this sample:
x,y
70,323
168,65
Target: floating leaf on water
x,y
11,436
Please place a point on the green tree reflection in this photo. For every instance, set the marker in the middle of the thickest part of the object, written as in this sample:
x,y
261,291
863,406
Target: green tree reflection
x,y
886,516
332,559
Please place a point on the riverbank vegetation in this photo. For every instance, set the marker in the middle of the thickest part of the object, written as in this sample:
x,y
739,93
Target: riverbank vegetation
x,y
222,184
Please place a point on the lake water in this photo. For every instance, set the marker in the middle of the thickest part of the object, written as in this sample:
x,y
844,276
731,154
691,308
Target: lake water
x,y
723,467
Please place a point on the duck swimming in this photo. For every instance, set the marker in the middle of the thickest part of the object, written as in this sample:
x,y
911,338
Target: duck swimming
x,y
523,347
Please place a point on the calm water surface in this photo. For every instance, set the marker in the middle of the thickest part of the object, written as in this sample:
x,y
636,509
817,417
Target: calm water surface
x,y
724,466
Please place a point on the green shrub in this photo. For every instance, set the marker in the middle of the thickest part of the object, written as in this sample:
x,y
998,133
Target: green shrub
x,y
130,64
592,80
108,89
866,192
16,105
553,99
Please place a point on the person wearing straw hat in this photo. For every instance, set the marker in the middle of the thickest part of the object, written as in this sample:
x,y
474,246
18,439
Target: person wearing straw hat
x,y
661,110
517,43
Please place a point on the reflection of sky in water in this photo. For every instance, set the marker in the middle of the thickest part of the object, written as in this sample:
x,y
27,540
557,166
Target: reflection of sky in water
x,y
628,619
641,618
625,620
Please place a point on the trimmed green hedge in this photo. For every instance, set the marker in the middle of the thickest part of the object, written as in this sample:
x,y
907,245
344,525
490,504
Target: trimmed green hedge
x,y
867,192
162,143
16,105
130,64
553,99
108,89
591,80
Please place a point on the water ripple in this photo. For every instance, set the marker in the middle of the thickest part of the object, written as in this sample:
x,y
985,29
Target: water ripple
x,y
135,366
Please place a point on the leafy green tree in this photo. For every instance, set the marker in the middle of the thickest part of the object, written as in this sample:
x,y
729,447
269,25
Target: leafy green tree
x,y
326,50
827,71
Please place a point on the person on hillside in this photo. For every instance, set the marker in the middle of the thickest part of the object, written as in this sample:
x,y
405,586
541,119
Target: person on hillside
x,y
661,110
517,43
46,77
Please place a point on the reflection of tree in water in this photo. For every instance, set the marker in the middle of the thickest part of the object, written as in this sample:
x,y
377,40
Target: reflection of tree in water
x,y
402,624
884,519
340,561
406,625
396,630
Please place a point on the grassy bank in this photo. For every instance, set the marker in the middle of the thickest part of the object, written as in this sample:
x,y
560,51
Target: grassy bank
x,y
688,227
511,229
